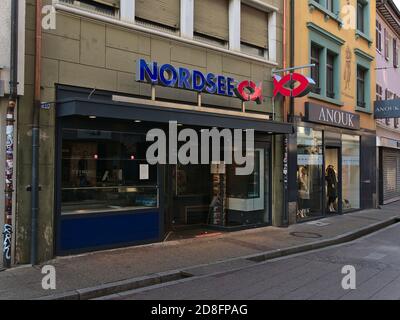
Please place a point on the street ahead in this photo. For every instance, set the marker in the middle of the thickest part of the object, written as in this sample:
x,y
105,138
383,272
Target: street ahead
x,y
315,275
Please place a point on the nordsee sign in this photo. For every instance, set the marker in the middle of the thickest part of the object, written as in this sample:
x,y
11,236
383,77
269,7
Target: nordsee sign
x,y
183,78
386,109
333,117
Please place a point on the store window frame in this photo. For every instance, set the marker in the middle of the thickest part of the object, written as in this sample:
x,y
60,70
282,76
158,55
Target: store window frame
x,y
119,184
315,57
363,20
379,92
386,44
395,53
363,61
84,124
330,8
379,36
321,213
359,168
337,142
332,44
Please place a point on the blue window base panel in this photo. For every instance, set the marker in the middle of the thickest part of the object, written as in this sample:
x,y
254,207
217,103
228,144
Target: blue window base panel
x,y
95,232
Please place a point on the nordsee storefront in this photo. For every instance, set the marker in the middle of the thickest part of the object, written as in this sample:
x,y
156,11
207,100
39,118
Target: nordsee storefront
x,y
109,195
333,156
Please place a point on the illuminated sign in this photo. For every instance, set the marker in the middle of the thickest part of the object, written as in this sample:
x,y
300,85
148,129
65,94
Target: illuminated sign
x,y
194,80
304,86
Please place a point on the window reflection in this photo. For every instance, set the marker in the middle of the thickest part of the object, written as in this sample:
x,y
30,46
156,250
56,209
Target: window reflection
x,y
351,172
106,171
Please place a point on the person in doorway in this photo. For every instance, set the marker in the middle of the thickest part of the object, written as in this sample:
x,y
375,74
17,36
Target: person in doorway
x,y
303,192
332,186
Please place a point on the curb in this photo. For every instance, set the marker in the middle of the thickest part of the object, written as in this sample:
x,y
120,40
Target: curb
x,y
118,286
112,288
343,238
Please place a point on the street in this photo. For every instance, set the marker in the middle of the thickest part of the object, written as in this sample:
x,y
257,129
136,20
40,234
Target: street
x,y
315,275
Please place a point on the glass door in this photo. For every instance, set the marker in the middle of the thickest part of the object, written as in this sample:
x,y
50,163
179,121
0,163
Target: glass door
x,y
248,197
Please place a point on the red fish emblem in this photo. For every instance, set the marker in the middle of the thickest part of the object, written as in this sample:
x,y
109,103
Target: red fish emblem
x,y
304,87
248,91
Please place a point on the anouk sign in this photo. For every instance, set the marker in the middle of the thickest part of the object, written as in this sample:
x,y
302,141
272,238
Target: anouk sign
x,y
333,117
385,109
169,76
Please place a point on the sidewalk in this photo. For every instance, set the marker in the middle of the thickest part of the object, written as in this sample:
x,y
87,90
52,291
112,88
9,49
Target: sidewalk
x,y
93,269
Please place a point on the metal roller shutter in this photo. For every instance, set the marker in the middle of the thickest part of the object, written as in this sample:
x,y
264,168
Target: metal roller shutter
x,y
391,175
165,12
254,27
211,18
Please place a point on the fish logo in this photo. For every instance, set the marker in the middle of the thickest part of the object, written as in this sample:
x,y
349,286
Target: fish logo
x,y
305,85
249,91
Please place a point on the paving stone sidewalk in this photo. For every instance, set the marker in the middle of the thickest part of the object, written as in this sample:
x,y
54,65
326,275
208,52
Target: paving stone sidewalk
x,y
93,269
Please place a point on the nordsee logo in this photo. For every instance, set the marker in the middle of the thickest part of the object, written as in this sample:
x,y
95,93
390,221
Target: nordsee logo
x,y
183,78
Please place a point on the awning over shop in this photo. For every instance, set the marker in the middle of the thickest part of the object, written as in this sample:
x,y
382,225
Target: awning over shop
x,y
129,111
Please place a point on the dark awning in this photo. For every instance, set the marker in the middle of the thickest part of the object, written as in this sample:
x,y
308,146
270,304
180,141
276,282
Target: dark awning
x,y
130,111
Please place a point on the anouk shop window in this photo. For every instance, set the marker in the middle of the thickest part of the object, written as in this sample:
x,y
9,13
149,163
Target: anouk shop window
x,y
105,171
351,172
309,173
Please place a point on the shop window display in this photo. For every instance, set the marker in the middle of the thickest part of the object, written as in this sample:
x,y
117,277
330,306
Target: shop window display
x,y
105,171
309,173
351,172
332,179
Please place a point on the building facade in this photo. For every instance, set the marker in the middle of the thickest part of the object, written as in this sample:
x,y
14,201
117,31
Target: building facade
x,y
332,156
100,97
387,88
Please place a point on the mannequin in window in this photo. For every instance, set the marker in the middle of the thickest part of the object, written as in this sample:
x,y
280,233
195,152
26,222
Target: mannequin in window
x,y
332,187
303,192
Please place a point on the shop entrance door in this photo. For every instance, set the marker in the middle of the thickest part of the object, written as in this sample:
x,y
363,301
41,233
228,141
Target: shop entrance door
x,y
190,197
248,196
332,180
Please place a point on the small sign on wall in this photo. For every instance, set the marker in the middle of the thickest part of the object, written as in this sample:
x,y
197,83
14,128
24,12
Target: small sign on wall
x,y
144,172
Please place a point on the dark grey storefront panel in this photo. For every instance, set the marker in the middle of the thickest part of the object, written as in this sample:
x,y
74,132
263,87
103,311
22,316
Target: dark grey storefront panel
x,y
368,170
128,111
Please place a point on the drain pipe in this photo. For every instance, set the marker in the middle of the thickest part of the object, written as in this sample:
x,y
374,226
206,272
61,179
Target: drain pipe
x,y
10,120
284,53
292,21
36,133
